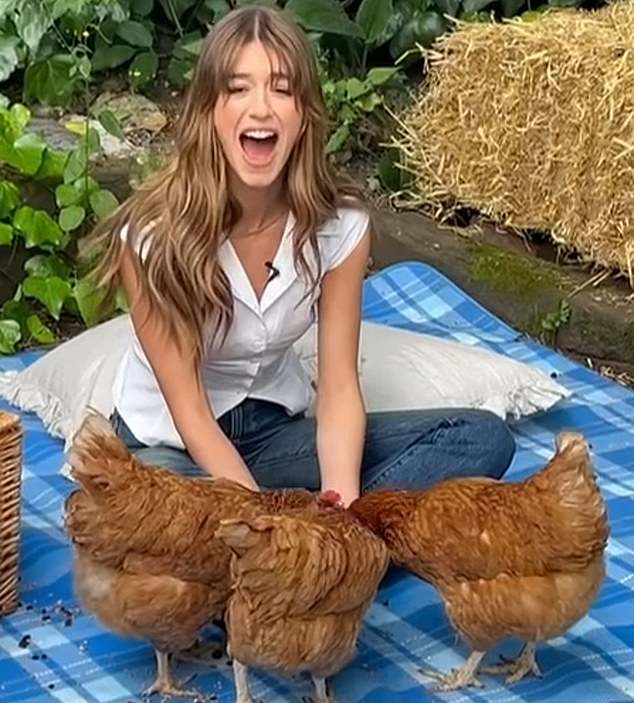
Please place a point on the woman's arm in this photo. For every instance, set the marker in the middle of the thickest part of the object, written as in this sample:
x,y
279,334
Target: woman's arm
x,y
340,410
180,382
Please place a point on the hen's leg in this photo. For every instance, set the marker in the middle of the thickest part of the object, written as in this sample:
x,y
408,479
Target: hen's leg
x,y
164,683
459,678
516,668
242,682
321,691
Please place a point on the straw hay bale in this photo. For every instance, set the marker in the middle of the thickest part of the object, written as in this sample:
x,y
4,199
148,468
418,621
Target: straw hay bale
x,y
532,123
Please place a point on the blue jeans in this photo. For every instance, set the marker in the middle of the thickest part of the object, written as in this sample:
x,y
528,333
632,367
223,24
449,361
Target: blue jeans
x,y
405,449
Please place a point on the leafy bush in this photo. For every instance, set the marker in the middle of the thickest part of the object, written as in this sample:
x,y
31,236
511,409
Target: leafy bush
x,y
52,284
59,43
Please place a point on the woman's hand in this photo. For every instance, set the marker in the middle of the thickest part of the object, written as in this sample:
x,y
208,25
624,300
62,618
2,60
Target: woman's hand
x,y
340,411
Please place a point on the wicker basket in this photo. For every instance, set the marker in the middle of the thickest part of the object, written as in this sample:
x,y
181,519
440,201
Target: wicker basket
x,y
10,480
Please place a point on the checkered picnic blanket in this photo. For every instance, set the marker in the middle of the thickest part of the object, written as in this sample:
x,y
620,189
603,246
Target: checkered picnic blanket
x,y
50,652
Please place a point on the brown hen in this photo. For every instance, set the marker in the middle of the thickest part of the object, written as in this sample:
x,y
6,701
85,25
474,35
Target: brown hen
x,y
522,560
146,562
302,583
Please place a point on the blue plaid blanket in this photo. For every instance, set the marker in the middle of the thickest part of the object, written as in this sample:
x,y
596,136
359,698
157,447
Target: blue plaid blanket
x,y
51,652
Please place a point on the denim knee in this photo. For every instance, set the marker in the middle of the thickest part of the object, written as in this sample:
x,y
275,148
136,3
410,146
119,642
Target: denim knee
x,y
498,449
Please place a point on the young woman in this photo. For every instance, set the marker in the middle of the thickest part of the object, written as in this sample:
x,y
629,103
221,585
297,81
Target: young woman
x,y
227,258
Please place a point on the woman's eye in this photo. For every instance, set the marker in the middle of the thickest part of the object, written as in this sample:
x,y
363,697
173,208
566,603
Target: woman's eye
x,y
283,88
233,89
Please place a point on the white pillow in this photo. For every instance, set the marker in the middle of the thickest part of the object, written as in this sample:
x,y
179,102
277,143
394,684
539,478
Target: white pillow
x,y
398,370
402,370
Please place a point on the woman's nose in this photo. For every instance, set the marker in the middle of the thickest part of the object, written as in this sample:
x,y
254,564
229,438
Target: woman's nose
x,y
260,103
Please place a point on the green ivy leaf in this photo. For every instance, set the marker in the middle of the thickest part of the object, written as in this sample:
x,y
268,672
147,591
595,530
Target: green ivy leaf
x,y
9,336
39,331
143,69
83,67
51,292
6,7
323,16
19,116
111,124
6,234
191,47
68,194
356,88
178,72
111,56
12,124
71,217
135,33
76,165
379,76
10,198
44,265
89,301
32,23
369,102
142,8
16,310
103,203
94,141
8,56
50,81
38,227
53,165
61,7
391,176
219,8
28,153
373,16
338,139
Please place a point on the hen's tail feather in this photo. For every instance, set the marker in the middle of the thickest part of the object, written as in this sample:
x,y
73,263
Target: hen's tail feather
x,y
99,460
578,489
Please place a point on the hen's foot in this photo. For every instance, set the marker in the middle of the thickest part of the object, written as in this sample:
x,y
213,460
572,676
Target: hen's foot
x,y
459,678
165,685
168,687
516,668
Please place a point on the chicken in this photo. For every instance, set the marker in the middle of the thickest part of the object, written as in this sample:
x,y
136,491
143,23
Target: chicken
x,y
522,560
302,583
146,562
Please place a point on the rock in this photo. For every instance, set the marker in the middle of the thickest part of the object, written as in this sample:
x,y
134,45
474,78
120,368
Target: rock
x,y
53,132
111,147
134,111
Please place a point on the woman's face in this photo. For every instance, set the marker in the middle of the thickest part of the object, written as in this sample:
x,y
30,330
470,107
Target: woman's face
x,y
257,120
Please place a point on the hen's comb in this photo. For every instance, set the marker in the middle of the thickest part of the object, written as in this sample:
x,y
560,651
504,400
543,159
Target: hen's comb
x,y
330,498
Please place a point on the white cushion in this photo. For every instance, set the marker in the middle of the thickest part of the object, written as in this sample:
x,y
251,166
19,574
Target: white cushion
x,y
398,369
402,370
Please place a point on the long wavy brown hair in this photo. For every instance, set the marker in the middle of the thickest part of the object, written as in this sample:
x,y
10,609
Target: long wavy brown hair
x,y
181,217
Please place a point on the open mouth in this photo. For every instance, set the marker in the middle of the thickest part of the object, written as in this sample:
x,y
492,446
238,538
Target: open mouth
x,y
258,145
